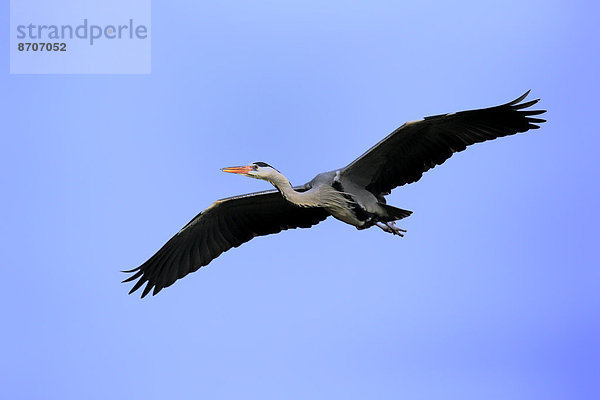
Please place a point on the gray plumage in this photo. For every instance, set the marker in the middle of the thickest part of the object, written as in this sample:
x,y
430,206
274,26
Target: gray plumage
x,y
354,194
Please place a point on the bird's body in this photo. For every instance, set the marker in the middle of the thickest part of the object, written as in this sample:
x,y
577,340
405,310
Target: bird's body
x,y
353,194
350,203
339,196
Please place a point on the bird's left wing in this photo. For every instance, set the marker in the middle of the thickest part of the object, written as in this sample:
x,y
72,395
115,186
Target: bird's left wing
x,y
225,224
405,154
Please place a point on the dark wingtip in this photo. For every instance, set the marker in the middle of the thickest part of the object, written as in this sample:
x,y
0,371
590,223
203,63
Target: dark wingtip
x,y
147,289
536,120
133,277
520,98
138,284
526,104
156,290
139,274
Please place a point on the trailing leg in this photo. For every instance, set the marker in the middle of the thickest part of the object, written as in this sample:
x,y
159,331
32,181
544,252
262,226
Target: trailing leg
x,y
391,227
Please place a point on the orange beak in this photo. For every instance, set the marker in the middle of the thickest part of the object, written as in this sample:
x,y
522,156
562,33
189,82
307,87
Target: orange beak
x,y
238,170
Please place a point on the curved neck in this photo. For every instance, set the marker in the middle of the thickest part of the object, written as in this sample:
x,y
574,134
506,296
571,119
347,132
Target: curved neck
x,y
284,186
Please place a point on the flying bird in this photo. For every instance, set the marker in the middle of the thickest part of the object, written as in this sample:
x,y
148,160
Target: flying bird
x,y
353,194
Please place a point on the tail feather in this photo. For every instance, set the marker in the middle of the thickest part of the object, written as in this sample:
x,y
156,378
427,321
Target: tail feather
x,y
395,213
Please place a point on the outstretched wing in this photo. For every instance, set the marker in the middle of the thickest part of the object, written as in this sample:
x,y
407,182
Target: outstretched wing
x,y
414,148
225,224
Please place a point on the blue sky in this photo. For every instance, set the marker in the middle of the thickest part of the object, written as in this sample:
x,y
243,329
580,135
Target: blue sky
x,y
493,293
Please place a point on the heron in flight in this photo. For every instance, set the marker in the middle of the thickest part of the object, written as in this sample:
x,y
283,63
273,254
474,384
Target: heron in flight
x,y
353,194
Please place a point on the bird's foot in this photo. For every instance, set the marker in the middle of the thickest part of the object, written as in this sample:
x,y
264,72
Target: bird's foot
x,y
391,227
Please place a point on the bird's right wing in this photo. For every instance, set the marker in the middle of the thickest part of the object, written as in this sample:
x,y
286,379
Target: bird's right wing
x,y
225,224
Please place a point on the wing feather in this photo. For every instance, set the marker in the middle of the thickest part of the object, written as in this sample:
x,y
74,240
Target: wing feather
x,y
225,224
414,148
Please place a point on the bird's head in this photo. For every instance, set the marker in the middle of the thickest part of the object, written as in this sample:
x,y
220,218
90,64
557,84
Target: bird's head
x,y
258,170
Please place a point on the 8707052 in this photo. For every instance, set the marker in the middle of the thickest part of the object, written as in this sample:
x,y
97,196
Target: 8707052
x,y
42,47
